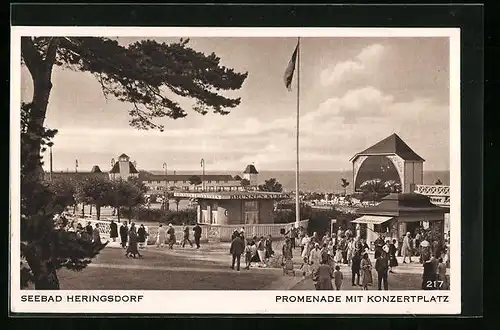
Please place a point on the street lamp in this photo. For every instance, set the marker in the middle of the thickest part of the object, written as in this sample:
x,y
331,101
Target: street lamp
x,y
165,194
50,144
202,163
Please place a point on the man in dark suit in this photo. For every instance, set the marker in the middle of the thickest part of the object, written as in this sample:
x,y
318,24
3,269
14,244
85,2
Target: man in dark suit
x,y
237,248
124,234
89,229
197,235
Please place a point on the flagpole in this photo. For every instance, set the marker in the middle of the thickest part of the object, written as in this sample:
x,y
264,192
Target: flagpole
x,y
297,198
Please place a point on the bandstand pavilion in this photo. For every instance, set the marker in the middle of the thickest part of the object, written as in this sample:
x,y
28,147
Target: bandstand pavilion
x,y
389,159
392,159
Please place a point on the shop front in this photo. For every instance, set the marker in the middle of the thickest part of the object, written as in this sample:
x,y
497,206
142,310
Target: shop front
x,y
398,214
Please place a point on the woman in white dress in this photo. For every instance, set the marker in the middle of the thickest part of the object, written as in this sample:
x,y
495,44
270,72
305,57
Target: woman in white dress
x,y
161,237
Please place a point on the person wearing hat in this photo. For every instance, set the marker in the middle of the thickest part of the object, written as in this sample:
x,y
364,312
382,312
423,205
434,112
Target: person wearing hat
x,y
171,236
393,261
315,257
382,267
424,251
406,249
236,250
366,271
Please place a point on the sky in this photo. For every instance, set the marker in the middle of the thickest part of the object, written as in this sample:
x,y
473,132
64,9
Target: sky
x,y
353,93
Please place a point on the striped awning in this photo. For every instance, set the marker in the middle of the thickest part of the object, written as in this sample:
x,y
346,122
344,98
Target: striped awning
x,y
372,219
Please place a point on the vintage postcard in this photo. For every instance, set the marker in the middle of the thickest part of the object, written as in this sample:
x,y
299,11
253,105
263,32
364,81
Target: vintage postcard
x,y
286,170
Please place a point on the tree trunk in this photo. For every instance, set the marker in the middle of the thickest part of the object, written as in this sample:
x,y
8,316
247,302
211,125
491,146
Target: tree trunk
x,y
45,275
40,68
118,213
47,278
83,210
177,207
98,211
90,209
129,213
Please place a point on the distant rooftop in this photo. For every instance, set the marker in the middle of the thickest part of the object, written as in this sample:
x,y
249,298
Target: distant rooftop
x,y
116,168
250,170
233,195
147,176
392,144
407,203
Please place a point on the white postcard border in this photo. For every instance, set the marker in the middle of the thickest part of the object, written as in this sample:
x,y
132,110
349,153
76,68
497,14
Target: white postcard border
x,y
250,302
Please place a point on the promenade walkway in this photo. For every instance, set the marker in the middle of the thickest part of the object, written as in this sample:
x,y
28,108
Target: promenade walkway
x,y
163,267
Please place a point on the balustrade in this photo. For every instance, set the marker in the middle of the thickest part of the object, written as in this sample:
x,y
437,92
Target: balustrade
x,y
433,190
210,232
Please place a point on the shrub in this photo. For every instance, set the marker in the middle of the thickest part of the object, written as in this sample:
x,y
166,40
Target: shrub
x,y
156,215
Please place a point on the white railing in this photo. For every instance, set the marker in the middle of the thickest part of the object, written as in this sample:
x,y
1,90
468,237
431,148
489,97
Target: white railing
x,y
210,232
433,190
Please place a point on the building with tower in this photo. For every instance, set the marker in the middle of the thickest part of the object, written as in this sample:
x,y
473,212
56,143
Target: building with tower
x,y
123,169
250,173
157,183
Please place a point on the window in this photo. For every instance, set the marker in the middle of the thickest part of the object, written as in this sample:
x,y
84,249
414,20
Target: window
x,y
209,181
158,182
251,206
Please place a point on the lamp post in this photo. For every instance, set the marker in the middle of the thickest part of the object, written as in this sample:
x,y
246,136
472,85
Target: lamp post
x,y
165,194
202,163
50,144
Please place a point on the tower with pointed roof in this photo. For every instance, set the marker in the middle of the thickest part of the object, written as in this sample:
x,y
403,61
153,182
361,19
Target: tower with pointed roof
x,y
250,173
123,169
389,160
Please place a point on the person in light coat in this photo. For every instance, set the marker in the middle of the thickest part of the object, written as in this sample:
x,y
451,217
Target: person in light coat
x,y
161,237
304,245
315,257
406,248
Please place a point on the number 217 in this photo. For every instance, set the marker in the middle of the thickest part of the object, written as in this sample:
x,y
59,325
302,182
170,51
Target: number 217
x,y
434,284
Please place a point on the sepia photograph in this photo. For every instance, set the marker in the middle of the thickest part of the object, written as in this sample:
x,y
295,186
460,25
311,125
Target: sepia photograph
x,y
222,161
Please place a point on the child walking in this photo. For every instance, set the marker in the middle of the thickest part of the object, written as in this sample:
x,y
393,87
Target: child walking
x,y
305,268
338,277
248,254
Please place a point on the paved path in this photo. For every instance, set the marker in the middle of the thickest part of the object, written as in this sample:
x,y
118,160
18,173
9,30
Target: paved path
x,y
219,253
163,268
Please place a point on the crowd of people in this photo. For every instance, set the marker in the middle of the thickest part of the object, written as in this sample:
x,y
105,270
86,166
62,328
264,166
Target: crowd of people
x,y
131,237
323,256
256,250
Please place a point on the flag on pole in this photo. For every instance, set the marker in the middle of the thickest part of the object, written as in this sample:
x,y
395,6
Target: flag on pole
x,y
290,69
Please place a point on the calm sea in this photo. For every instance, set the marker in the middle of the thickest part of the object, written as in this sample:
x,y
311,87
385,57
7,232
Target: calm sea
x,y
325,181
